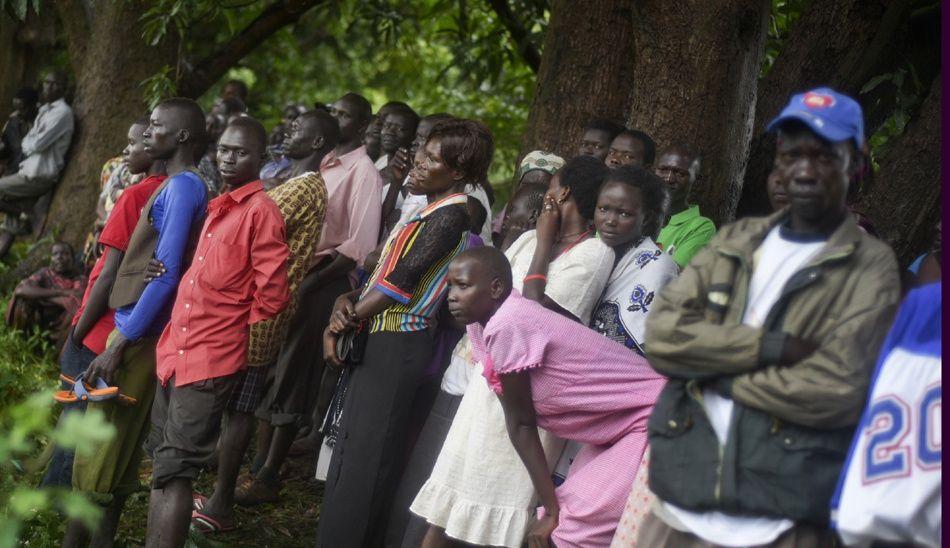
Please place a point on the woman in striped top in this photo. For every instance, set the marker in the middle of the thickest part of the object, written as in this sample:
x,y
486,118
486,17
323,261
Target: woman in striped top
x,y
405,291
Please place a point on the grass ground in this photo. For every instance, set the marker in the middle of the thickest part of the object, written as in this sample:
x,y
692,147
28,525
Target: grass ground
x,y
288,523
28,363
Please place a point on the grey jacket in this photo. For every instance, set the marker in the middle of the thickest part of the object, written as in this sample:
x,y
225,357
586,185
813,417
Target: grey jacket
x,y
791,425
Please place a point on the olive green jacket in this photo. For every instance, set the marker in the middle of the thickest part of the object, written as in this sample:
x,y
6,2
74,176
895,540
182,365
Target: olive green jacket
x,y
792,424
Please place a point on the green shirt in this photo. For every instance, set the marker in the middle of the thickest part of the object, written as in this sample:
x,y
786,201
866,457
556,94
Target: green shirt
x,y
685,234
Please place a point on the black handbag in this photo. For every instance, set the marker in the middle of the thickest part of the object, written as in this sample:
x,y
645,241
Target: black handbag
x,y
351,346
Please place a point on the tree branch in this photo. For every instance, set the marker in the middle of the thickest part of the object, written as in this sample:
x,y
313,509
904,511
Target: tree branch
x,y
274,17
519,34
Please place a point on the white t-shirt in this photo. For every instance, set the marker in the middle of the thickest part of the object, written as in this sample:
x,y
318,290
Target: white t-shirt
x,y
776,260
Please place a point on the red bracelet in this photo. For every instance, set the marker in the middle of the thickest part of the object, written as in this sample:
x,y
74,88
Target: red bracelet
x,y
541,277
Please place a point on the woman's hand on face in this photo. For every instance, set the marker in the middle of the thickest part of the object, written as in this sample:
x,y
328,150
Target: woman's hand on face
x,y
549,221
540,534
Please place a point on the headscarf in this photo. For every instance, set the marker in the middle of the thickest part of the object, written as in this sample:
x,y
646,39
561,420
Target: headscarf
x,y
539,159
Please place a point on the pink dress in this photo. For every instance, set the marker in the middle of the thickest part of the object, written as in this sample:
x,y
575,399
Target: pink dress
x,y
585,388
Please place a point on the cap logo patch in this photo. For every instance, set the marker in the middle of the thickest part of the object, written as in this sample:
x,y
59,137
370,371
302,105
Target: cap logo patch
x,y
818,100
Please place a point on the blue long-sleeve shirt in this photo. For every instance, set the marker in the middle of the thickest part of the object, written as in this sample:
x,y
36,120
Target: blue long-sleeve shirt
x,y
180,206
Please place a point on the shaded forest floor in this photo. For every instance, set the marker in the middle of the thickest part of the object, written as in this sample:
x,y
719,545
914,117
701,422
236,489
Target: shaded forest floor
x,y
289,523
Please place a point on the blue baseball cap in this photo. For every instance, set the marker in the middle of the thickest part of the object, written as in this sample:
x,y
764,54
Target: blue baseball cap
x,y
832,115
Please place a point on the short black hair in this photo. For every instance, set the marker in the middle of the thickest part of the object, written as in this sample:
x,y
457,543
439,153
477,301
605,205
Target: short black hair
x,y
242,87
467,145
476,215
140,121
649,145
603,124
192,118
28,95
687,151
437,117
253,128
405,110
584,175
364,110
494,262
67,245
391,106
651,191
327,125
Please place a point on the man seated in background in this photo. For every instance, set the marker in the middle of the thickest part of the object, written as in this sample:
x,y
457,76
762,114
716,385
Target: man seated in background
x,y
18,124
50,297
44,155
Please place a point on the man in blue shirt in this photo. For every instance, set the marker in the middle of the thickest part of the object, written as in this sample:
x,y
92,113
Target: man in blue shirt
x,y
166,231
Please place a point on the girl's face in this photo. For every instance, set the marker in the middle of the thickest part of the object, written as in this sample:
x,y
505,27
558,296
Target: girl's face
x,y
134,154
619,216
431,175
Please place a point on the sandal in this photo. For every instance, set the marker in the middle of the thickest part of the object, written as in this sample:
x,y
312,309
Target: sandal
x,y
101,392
82,391
198,501
206,524
257,492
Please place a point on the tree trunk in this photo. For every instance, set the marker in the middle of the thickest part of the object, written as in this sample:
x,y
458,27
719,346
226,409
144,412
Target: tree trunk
x,y
24,46
838,44
110,58
904,202
586,72
697,70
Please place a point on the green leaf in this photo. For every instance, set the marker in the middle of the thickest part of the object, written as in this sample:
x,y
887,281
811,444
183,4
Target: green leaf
x,y
83,432
75,505
875,82
26,501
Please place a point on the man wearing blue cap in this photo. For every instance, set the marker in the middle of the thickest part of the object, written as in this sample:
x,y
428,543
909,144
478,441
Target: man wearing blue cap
x,y
769,337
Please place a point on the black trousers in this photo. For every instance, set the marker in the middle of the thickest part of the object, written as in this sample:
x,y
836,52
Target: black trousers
x,y
294,381
369,454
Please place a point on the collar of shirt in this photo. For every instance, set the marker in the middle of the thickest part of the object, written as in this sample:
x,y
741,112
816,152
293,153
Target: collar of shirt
x,y
684,216
59,103
346,160
222,203
448,200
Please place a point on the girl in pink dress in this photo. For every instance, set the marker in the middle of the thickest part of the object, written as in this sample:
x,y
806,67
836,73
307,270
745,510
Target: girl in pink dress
x,y
552,372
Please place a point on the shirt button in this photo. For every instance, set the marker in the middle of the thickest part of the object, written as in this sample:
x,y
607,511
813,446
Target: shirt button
x,y
201,258
187,305
184,329
180,352
209,234
192,282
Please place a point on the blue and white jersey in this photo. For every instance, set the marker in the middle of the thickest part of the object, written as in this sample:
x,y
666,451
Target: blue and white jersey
x,y
890,485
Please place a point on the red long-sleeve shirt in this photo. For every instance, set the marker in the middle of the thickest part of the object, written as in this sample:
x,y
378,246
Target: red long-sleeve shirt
x,y
238,277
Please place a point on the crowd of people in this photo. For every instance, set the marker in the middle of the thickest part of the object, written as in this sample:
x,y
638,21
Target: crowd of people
x,y
590,364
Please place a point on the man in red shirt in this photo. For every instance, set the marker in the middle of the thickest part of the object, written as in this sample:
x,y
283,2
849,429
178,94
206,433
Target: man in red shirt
x,y
238,277
94,320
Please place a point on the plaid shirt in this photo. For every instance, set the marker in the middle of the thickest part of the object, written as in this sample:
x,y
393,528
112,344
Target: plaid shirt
x,y
302,202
